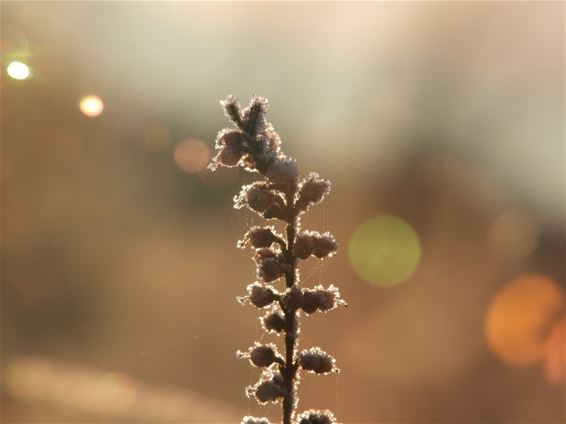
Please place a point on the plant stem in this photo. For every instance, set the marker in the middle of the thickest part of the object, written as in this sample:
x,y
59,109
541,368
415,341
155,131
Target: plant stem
x,y
291,323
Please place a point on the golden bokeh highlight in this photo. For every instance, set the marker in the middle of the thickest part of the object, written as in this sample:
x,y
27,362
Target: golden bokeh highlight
x,y
519,318
513,235
555,354
385,250
191,155
18,70
91,106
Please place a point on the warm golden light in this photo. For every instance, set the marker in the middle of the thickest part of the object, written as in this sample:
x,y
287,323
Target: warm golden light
x,y
519,318
91,106
385,250
18,70
555,354
191,155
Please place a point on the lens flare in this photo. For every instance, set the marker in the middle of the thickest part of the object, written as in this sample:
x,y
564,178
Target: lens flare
x,y
91,106
385,250
18,70
519,317
191,155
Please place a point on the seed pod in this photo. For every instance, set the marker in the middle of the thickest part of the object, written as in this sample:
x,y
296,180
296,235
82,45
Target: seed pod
x,y
317,361
269,269
268,389
261,236
231,109
311,301
254,420
261,355
264,253
275,211
292,299
273,321
312,190
283,170
328,298
261,296
253,116
313,416
325,245
257,197
305,244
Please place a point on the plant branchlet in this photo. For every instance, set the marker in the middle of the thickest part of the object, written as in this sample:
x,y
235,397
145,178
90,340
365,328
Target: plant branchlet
x,y
280,194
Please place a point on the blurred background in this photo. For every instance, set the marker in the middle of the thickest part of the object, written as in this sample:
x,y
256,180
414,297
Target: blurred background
x,y
441,126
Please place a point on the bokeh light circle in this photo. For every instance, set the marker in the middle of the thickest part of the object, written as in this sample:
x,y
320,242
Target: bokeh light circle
x,y
18,70
191,155
520,316
91,106
385,250
554,365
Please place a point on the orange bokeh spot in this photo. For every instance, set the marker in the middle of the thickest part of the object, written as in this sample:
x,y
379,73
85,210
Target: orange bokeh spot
x,y
519,318
191,155
555,354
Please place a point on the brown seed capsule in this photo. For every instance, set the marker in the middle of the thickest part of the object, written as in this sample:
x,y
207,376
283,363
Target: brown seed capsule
x,y
269,269
311,301
273,321
229,155
269,389
292,299
261,236
275,211
254,420
261,296
317,361
314,188
263,355
283,170
316,417
305,244
264,253
325,245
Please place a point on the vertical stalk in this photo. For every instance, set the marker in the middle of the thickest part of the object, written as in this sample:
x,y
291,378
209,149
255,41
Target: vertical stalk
x,y
291,323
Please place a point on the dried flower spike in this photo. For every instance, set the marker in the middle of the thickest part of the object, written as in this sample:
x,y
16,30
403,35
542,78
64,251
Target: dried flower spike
x,y
253,144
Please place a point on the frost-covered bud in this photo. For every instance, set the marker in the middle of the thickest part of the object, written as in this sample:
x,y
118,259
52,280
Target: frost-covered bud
x,y
261,355
328,298
321,299
276,211
269,269
231,109
268,389
259,237
317,361
314,416
261,296
292,299
304,245
283,170
229,156
325,245
273,321
253,116
254,420
257,197
264,253
311,301
312,190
